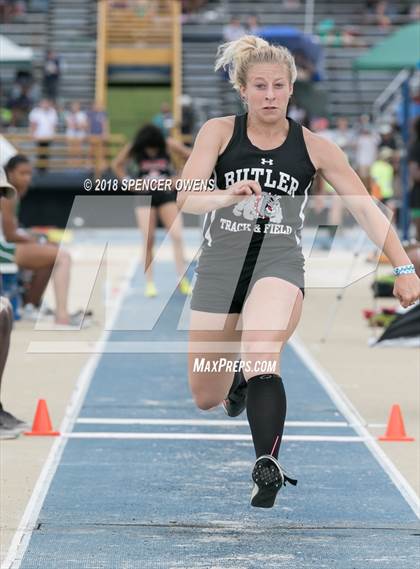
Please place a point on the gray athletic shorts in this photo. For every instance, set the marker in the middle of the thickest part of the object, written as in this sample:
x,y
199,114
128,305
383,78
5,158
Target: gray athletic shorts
x,y
223,285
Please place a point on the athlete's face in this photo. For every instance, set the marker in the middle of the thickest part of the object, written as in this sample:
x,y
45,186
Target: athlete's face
x,y
151,151
267,91
20,177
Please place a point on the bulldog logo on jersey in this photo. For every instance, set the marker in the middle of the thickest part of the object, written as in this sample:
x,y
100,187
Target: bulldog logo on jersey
x,y
266,206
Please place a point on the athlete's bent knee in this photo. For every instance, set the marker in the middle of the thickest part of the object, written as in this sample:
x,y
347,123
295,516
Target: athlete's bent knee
x,y
206,402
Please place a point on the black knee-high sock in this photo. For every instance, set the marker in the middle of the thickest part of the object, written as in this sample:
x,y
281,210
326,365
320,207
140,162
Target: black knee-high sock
x,y
266,410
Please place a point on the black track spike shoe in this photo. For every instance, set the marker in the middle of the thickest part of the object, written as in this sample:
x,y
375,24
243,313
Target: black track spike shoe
x,y
268,476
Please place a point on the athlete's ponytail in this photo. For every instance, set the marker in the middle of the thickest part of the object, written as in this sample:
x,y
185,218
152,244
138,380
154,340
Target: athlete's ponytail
x,y
237,57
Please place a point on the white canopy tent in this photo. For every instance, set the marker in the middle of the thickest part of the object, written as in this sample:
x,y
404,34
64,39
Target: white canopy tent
x,y
7,150
11,52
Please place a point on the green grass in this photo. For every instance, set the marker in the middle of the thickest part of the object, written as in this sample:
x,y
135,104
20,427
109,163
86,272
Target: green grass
x,y
130,107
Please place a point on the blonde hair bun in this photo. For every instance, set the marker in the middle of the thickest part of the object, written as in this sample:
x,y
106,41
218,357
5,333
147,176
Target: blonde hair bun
x,y
238,56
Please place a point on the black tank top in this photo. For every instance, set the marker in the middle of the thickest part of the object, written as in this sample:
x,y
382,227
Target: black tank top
x,y
157,167
277,216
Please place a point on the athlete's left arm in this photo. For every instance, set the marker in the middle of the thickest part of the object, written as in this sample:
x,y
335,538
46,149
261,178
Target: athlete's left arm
x,y
331,162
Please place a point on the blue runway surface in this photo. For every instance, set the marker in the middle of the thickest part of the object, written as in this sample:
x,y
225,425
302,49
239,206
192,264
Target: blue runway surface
x,y
162,503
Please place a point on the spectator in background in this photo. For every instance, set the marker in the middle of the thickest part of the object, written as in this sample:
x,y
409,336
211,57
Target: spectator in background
x,y
97,121
231,32
366,149
192,6
10,426
234,30
98,132
331,34
22,97
5,117
291,4
252,25
29,252
188,115
383,13
76,129
387,137
51,75
4,11
380,12
413,105
414,165
43,121
10,9
20,103
5,113
382,175
164,120
297,113
326,195
414,12
344,137
305,67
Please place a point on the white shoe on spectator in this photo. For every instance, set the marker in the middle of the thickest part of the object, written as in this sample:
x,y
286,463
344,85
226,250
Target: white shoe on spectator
x,y
30,312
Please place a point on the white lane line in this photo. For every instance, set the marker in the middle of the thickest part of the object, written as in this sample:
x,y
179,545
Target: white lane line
x,y
128,347
207,437
350,413
23,533
202,422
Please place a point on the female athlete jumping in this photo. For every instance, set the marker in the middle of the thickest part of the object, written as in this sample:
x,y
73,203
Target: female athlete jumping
x,y
249,291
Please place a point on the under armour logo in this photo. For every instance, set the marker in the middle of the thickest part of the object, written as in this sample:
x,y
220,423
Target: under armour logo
x,y
264,161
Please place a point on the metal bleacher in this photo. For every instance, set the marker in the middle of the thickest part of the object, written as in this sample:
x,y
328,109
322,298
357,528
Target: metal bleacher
x,y
349,93
17,30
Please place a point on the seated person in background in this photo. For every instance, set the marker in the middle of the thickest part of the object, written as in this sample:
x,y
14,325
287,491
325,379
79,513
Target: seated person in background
x,y
234,30
252,25
28,252
10,426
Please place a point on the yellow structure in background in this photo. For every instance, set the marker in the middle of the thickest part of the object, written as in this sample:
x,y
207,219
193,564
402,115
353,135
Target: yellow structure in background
x,y
140,32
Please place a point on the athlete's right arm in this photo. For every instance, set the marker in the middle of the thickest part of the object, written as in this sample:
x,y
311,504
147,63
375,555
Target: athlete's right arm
x,y
200,166
120,162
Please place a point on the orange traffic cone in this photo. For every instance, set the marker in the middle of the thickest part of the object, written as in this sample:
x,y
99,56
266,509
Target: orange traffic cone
x,y
395,430
42,426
